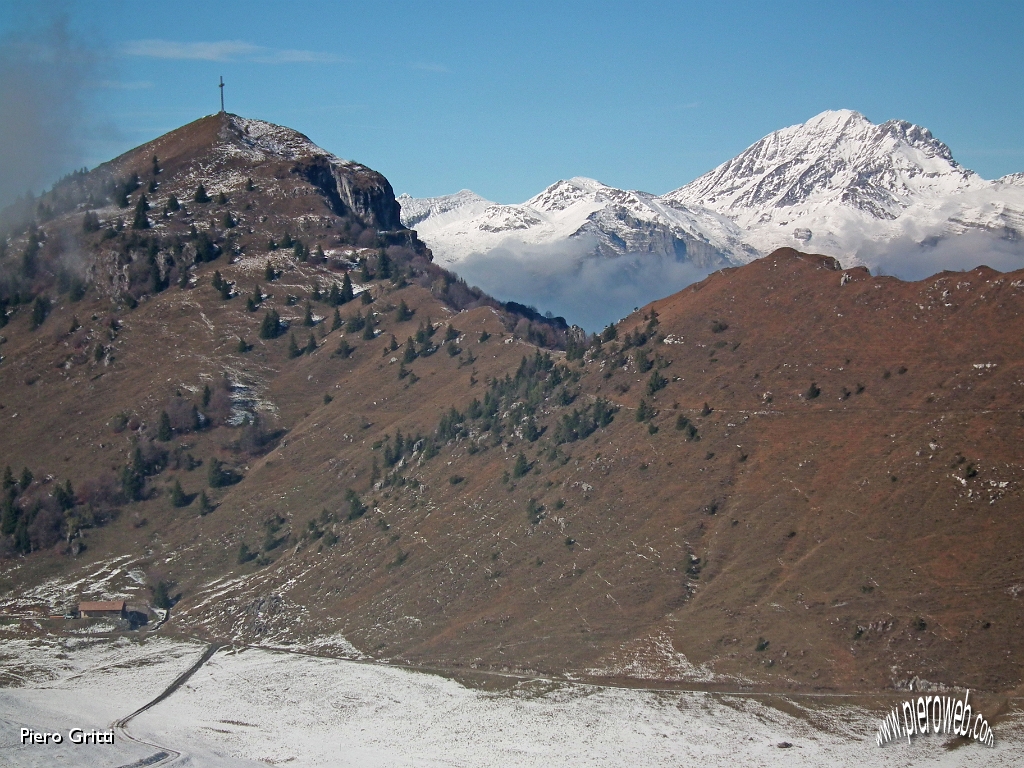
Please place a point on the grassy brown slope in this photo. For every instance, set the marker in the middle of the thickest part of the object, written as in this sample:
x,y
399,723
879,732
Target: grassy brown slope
x,y
846,535
854,579
862,555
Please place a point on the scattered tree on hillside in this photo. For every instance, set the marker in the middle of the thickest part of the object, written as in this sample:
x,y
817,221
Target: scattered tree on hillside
x,y
368,329
141,221
164,432
40,311
178,496
271,325
347,293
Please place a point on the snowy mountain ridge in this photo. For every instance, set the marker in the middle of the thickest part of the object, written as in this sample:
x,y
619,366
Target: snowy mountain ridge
x,y
607,221
838,184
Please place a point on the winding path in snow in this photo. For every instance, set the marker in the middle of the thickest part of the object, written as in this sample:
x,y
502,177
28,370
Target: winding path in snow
x,y
165,755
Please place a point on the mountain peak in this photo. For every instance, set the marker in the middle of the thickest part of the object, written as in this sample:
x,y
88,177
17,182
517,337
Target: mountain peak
x,y
835,158
224,137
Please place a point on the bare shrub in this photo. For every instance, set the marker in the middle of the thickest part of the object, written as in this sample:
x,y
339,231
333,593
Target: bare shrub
x,y
100,492
183,415
47,526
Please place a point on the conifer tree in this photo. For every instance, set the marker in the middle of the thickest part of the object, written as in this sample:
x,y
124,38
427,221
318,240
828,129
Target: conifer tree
x,y
368,329
178,497
310,345
9,481
173,205
164,432
521,467
205,507
293,348
29,257
271,326
403,312
26,479
307,319
22,540
254,301
215,475
64,495
347,293
8,516
410,351
40,308
161,599
222,199
206,395
270,273
156,166
132,483
200,196
336,320
383,266
249,186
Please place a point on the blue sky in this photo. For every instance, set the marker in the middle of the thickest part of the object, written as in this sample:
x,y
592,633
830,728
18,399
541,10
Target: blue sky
x,y
505,99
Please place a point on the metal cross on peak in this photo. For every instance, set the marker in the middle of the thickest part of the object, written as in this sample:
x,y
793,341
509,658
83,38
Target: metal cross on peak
x,y
222,93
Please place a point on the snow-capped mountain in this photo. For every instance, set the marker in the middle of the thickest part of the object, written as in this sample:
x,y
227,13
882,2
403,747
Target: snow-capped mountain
x,y
604,221
837,184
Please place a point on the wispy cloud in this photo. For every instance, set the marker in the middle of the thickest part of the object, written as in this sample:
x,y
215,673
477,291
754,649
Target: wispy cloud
x,y
225,50
426,66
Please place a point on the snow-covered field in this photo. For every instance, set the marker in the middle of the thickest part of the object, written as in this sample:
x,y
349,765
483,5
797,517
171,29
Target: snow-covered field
x,y
252,706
